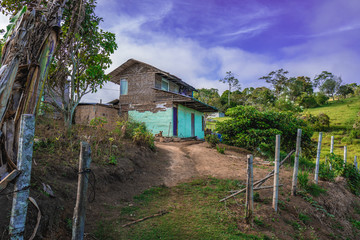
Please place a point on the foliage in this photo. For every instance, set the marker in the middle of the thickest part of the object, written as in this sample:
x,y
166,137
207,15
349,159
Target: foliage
x,y
98,122
212,139
345,90
308,101
284,104
142,136
328,83
220,149
112,160
320,122
81,59
303,178
249,128
325,173
209,96
311,188
321,98
232,82
278,79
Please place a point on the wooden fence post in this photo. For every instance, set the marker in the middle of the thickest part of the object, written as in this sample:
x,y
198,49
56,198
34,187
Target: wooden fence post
x,y
22,185
276,173
318,159
296,162
249,189
345,155
80,207
332,145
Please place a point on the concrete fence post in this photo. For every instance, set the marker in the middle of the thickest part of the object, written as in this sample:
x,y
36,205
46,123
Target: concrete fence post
x,y
22,184
317,166
296,163
276,174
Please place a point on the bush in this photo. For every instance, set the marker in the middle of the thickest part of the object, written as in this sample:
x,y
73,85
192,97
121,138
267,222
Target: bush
x,y
313,189
321,98
354,134
320,122
98,122
308,101
212,139
287,105
325,173
143,137
251,129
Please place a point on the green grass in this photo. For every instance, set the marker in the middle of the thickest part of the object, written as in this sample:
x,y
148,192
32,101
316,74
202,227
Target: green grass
x,y
212,125
194,213
343,114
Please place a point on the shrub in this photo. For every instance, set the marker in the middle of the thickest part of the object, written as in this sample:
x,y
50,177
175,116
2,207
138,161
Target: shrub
x,y
354,134
303,178
321,98
318,123
308,101
353,178
212,139
98,122
143,137
325,173
251,129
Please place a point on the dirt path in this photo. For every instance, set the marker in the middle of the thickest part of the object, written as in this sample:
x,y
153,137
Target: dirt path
x,y
196,159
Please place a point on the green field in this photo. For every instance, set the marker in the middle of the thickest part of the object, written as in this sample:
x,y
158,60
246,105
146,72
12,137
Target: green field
x,y
343,114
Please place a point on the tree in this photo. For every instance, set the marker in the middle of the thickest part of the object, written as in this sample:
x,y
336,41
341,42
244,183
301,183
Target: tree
x,y
81,60
328,83
232,81
278,79
209,96
345,90
299,86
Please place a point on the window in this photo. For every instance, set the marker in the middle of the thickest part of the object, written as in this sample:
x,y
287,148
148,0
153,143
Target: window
x,y
164,84
123,87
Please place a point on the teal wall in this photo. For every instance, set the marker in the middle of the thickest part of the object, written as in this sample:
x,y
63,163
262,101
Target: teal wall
x,y
160,121
155,122
184,122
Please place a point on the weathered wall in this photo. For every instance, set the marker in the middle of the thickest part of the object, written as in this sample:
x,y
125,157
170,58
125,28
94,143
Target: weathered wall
x,y
141,81
85,113
155,122
184,122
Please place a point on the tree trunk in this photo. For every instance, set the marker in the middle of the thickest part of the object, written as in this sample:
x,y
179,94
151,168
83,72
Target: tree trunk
x,y
26,59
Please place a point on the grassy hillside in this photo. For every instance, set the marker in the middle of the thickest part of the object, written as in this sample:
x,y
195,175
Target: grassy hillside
x,y
343,114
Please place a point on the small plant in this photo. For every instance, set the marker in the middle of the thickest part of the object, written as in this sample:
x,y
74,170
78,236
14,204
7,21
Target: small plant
x,y
304,218
256,197
220,150
303,178
112,160
325,173
355,224
142,136
212,139
259,222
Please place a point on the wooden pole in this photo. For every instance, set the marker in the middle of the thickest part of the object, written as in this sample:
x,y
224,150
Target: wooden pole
x,y
249,189
22,185
80,207
345,155
332,145
318,159
296,163
276,173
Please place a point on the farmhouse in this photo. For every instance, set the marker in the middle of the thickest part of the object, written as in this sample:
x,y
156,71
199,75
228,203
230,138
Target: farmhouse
x,y
161,100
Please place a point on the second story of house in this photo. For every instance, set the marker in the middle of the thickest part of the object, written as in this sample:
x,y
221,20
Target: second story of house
x,y
141,83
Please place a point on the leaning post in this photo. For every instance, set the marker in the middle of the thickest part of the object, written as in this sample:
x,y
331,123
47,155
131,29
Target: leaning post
x,y
249,189
22,184
80,206
296,163
276,173
317,166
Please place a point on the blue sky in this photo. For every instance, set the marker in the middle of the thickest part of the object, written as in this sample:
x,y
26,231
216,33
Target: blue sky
x,y
199,40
